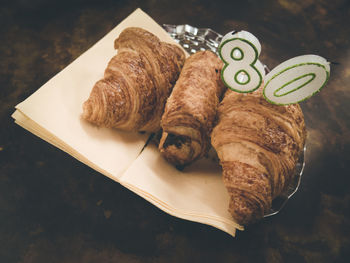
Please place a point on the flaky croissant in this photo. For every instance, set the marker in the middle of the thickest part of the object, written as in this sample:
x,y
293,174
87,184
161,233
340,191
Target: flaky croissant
x,y
191,108
258,145
136,83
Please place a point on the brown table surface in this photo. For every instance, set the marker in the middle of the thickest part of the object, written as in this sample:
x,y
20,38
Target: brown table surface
x,y
55,209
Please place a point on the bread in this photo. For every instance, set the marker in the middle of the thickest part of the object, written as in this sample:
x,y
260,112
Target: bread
x,y
190,111
136,83
258,145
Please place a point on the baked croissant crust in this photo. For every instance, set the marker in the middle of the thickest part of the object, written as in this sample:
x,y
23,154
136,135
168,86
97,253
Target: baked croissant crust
x,y
138,80
258,145
191,109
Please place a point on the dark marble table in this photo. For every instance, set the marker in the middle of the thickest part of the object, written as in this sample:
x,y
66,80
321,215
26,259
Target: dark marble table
x,y
55,209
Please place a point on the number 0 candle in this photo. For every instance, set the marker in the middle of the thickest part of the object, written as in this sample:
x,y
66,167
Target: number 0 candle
x,y
296,79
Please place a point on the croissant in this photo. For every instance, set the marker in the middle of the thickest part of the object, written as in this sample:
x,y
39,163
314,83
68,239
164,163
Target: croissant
x,y
258,145
191,109
136,83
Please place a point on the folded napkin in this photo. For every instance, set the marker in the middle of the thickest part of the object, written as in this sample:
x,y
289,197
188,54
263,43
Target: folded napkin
x,y
53,113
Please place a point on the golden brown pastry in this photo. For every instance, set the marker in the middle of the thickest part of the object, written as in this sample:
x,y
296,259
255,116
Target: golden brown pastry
x,y
136,83
191,108
258,145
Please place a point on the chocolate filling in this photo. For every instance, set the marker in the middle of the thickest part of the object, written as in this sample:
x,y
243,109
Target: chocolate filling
x,y
176,140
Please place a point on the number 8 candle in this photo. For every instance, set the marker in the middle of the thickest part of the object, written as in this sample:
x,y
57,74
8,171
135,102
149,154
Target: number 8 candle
x,y
242,72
